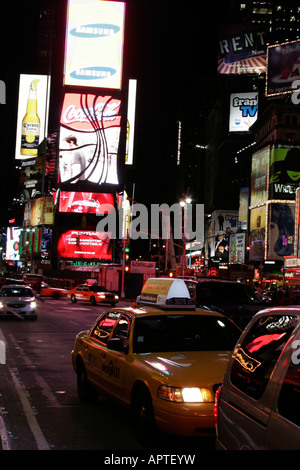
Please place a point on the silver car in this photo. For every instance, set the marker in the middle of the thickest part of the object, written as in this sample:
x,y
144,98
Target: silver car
x,y
258,405
17,301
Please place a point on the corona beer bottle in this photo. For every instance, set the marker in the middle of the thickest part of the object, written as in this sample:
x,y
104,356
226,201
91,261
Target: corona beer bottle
x,y
31,124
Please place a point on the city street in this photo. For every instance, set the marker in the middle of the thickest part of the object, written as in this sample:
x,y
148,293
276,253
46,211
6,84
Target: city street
x,y
39,407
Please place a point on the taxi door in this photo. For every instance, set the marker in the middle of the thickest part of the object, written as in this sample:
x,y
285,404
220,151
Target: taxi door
x,y
113,362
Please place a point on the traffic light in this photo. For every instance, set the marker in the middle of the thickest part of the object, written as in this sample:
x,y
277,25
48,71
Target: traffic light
x,y
127,258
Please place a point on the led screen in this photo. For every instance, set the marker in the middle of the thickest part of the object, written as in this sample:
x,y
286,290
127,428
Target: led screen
x,y
80,244
94,44
89,139
13,243
283,67
85,203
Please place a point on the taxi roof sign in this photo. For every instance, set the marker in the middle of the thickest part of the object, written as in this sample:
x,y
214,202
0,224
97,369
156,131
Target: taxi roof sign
x,y
166,293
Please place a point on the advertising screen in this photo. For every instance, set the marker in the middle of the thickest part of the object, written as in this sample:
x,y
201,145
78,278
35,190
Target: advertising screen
x,y
84,203
259,176
80,244
243,111
39,211
242,50
283,67
130,122
284,172
89,139
94,44
13,243
281,228
32,119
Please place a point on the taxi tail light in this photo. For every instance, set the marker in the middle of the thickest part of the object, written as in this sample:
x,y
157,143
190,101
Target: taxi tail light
x,y
216,407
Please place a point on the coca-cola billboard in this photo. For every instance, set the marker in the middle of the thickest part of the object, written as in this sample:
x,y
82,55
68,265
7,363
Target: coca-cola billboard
x,y
89,139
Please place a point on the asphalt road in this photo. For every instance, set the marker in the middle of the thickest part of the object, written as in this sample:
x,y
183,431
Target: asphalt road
x,y
39,407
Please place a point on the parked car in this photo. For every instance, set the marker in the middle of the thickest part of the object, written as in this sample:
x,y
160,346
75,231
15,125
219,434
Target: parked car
x,y
92,293
48,291
235,300
17,301
164,362
258,404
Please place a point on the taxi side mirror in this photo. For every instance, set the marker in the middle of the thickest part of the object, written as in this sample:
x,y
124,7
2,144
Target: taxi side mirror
x,y
116,344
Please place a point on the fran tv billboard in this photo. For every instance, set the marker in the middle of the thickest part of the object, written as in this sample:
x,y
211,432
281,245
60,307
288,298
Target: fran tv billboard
x,y
89,139
94,44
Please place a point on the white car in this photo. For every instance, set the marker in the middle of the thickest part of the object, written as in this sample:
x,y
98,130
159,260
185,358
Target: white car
x,y
17,301
258,404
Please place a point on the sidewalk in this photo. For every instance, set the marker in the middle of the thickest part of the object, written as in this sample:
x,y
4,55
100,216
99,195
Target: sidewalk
x,y
4,439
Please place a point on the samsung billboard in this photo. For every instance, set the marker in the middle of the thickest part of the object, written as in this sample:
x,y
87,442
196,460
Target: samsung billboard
x,y
94,44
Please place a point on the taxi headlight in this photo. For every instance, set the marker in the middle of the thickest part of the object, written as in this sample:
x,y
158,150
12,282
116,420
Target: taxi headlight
x,y
116,297
186,394
32,304
1,304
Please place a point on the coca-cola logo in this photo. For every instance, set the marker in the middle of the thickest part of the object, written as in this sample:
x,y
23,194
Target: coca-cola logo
x,y
103,110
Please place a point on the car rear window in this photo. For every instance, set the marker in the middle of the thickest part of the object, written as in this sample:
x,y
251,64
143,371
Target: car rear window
x,y
167,333
225,293
256,357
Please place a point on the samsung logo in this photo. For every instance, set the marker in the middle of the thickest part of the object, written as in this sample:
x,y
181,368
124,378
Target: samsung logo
x,y
93,73
95,30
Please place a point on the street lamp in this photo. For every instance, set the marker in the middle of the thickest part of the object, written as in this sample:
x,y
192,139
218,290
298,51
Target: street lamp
x,y
184,201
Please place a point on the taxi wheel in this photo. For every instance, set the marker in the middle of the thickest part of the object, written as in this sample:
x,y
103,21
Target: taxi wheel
x,y
93,300
143,415
73,299
85,391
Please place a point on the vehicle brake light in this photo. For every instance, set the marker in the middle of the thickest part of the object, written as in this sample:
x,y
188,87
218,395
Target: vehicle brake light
x,y
216,407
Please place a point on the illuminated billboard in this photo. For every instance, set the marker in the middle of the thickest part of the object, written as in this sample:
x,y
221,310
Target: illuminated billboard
x,y
242,50
130,122
78,244
284,172
89,139
85,203
281,229
243,111
39,211
94,44
13,243
259,176
32,119
283,67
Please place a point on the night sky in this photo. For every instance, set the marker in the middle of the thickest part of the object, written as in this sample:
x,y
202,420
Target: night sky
x,y
169,48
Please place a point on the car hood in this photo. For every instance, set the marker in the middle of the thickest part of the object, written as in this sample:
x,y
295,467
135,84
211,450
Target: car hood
x,y
189,368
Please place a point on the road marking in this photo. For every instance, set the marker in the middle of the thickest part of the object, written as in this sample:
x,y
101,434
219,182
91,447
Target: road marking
x,y
47,392
39,437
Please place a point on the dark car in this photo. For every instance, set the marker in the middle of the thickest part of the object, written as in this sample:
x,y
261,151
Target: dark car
x,y
236,300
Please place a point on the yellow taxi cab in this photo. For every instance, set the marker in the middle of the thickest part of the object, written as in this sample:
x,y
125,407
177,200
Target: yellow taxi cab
x,y
92,293
164,360
48,291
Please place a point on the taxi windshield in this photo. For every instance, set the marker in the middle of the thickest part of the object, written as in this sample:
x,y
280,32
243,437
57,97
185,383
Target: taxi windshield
x,y
97,289
167,333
